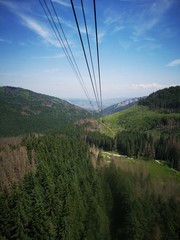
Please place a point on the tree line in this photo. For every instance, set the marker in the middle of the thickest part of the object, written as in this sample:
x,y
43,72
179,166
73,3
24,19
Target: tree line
x,y
140,145
146,146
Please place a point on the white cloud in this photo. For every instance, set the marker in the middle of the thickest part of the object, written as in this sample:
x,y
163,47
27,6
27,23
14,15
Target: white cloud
x,y
174,63
125,44
40,30
146,86
118,29
112,19
101,36
9,5
33,25
57,56
62,2
150,46
150,16
5,41
52,70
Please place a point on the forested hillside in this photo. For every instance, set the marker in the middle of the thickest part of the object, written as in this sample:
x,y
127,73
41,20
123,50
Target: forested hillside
x,y
23,111
64,197
150,130
167,100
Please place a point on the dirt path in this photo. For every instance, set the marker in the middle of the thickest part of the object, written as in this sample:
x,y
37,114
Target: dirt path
x,y
158,162
110,129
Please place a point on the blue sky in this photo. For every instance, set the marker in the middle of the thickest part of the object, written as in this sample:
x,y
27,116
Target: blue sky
x,y
139,43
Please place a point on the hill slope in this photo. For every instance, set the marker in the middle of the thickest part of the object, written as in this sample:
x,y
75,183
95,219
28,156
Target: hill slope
x,y
166,100
23,111
141,118
149,132
159,112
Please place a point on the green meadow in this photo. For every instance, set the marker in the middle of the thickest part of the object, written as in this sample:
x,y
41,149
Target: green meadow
x,y
140,118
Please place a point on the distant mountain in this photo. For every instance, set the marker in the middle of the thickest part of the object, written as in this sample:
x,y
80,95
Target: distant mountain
x,y
23,111
84,103
120,106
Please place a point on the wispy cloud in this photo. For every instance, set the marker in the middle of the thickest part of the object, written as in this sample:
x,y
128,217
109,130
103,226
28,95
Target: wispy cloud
x,y
151,15
125,44
52,70
32,24
5,41
63,3
140,17
151,46
101,36
10,5
118,29
174,63
153,86
40,30
113,19
57,56
136,21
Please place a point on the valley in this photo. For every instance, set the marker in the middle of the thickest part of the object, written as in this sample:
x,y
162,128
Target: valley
x,y
81,177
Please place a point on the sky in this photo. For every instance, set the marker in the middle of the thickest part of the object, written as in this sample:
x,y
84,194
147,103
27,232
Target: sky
x,y
139,47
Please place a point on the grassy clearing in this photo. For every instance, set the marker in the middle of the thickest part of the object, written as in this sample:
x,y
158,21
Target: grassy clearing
x,y
154,169
163,171
148,177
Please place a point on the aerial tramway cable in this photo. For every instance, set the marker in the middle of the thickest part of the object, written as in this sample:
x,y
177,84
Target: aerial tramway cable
x,y
97,48
69,54
70,51
62,45
85,56
89,46
56,33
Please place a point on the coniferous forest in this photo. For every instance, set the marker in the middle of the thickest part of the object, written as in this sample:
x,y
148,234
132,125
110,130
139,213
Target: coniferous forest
x,y
65,197
166,100
74,181
146,146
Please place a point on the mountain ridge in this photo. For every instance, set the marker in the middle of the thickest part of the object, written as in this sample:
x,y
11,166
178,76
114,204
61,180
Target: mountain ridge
x,y
120,106
24,111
